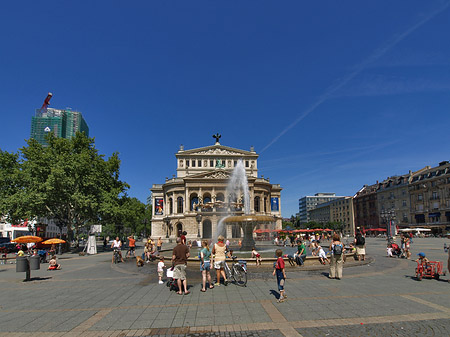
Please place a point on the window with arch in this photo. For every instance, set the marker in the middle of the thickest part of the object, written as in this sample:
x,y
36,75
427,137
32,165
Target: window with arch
x,y
207,199
257,209
193,201
180,205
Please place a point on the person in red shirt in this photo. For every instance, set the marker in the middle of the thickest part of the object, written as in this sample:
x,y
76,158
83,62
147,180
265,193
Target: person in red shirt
x,y
280,273
131,246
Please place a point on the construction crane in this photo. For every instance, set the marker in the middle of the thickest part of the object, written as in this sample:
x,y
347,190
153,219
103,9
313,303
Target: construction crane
x,y
46,102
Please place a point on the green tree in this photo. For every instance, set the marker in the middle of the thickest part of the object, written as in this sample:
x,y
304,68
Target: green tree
x,y
11,186
68,181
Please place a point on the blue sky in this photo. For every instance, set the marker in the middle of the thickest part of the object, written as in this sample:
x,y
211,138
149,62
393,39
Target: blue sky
x,y
332,95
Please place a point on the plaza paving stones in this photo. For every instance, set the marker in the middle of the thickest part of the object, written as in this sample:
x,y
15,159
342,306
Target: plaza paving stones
x,y
91,297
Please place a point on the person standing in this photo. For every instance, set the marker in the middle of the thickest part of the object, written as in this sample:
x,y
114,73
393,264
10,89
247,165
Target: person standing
x,y
219,251
337,257
180,254
131,246
160,269
159,244
360,243
205,265
280,272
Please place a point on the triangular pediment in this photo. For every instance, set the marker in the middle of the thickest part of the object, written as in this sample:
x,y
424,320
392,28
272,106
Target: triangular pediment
x,y
216,174
216,150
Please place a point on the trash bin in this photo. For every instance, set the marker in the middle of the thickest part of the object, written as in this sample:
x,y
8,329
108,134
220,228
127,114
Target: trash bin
x,y
21,264
35,262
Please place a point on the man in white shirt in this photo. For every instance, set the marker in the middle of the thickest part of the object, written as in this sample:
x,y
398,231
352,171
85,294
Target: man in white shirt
x,y
117,245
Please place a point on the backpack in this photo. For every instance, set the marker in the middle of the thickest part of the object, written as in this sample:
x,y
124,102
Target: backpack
x,y
360,240
337,249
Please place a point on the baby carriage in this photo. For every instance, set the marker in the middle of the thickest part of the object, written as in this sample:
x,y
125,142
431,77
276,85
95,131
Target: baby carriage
x,y
396,251
171,282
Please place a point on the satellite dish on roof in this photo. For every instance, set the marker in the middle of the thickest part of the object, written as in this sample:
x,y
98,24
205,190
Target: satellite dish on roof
x,y
47,129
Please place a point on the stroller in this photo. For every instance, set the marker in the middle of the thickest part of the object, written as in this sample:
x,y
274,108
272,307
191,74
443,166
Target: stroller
x,y
171,282
396,251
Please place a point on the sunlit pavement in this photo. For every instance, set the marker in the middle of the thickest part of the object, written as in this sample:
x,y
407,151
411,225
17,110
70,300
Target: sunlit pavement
x,y
92,297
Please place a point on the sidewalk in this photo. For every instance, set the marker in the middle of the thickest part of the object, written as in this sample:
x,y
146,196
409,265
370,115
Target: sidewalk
x,y
92,297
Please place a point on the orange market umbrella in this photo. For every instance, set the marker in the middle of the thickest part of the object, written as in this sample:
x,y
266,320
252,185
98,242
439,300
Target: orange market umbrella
x,y
53,241
27,239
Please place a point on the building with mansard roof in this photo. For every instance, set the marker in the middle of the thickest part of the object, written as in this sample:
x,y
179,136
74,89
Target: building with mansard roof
x,y
195,199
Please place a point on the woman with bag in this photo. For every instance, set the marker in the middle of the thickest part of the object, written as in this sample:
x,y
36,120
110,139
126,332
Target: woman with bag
x,y
337,257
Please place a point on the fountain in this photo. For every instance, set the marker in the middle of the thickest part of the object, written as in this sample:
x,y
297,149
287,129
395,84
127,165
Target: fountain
x,y
238,186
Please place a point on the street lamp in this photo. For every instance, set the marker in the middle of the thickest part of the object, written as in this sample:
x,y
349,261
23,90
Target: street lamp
x,y
199,220
389,218
167,222
145,221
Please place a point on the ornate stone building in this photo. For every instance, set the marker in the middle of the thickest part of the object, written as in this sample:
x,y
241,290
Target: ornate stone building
x,y
195,200
430,197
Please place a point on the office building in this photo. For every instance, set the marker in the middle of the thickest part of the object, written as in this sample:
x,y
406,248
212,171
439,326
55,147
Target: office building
x,y
62,123
307,203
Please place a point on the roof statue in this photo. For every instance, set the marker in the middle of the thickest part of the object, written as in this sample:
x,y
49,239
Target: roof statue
x,y
217,137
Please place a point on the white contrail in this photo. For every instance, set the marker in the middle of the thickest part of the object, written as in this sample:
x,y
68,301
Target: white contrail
x,y
372,58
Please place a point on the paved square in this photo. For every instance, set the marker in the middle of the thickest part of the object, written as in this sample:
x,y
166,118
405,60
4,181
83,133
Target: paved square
x,y
91,297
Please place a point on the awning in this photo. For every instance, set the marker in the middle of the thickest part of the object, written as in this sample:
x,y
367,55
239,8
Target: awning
x,y
434,215
447,213
420,216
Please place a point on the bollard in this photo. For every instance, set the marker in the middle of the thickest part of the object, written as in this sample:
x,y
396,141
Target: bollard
x,y
35,262
21,264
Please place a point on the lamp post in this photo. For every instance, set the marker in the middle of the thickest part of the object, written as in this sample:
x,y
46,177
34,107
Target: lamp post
x,y
199,220
167,222
145,221
389,217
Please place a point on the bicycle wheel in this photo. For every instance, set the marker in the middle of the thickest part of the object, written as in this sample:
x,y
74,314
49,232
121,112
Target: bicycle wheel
x,y
239,275
116,257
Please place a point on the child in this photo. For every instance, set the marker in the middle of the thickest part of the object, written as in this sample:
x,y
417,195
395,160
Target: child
x,y
53,265
322,256
290,259
422,259
280,273
389,250
160,269
256,255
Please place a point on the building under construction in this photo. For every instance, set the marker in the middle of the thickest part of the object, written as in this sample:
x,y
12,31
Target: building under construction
x,y
62,123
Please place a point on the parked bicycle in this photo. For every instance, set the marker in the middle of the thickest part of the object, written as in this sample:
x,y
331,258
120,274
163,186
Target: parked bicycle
x,y
237,272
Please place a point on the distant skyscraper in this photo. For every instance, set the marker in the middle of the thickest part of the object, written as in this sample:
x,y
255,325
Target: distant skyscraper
x,y
62,123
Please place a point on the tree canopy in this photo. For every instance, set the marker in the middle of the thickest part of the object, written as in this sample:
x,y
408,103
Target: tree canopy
x,y
67,181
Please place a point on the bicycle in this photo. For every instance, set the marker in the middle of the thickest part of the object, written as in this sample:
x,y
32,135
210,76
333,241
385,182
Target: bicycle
x,y
116,256
238,272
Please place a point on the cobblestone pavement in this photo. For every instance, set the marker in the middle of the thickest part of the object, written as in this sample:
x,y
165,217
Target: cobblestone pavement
x,y
92,297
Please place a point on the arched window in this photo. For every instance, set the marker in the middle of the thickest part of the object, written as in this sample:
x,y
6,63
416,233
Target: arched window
x,y
180,205
194,200
170,206
206,200
256,204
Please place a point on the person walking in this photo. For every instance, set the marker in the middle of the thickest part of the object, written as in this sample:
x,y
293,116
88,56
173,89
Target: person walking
x,y
280,272
360,243
219,251
180,254
337,257
205,265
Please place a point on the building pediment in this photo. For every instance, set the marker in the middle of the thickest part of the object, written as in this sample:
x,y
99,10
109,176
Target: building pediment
x,y
216,150
218,174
